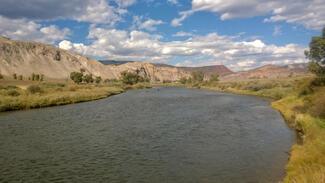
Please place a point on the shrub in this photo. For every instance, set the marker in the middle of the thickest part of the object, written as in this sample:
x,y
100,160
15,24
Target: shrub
x,y
76,77
317,108
1,76
98,79
305,88
32,89
110,80
14,76
214,78
167,81
131,78
42,77
37,77
20,77
13,92
183,80
197,76
88,78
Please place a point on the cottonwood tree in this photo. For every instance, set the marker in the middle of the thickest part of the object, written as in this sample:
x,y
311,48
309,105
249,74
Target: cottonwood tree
x,y
197,76
316,55
76,77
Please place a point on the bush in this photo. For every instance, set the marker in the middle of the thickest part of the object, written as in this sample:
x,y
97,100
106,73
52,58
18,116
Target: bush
x,y
98,79
37,77
1,76
34,89
88,78
197,76
214,78
76,77
131,78
14,76
317,107
183,80
20,77
13,92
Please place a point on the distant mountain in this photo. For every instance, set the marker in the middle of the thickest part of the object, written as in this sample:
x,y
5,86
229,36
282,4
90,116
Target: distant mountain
x,y
221,70
207,70
270,71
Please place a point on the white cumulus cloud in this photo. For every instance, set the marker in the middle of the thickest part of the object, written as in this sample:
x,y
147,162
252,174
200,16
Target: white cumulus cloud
x,y
23,29
198,50
309,13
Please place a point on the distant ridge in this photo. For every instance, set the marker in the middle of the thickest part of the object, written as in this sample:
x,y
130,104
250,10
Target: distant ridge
x,y
207,70
270,71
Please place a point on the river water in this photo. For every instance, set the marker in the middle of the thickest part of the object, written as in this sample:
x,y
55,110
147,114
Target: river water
x,y
151,135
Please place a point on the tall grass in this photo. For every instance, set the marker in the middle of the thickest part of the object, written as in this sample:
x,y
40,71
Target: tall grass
x,y
50,94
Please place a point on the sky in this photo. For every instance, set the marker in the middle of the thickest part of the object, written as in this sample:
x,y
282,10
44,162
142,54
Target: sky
x,y
241,34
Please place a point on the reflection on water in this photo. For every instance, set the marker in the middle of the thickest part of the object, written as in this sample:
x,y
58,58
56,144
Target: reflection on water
x,y
153,135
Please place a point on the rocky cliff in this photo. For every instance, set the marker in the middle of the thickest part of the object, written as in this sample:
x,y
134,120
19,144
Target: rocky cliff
x,y
25,58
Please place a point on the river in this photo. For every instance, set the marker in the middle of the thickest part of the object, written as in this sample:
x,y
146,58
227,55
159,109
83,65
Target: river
x,y
151,135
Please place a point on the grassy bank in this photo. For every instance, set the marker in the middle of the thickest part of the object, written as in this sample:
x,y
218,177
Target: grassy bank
x,y
29,95
303,107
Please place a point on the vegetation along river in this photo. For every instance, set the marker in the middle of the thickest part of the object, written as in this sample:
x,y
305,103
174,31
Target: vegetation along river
x,y
152,135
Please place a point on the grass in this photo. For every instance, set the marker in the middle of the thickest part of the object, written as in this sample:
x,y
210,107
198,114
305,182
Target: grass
x,y
31,95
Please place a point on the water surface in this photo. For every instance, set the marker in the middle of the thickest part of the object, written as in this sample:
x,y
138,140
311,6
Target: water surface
x,y
152,135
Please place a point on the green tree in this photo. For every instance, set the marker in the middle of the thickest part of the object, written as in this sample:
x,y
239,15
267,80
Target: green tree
x,y
76,77
214,78
197,76
88,78
37,77
33,77
98,79
20,77
183,80
316,55
42,77
14,76
131,78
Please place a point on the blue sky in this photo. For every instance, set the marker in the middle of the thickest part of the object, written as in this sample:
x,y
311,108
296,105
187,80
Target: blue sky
x,y
239,34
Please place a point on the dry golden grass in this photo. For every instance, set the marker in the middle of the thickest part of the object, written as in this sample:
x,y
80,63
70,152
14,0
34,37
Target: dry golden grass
x,y
51,94
307,160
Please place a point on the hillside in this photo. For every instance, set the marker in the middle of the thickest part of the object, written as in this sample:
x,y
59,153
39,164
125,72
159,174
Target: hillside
x,y
270,72
207,70
221,70
25,58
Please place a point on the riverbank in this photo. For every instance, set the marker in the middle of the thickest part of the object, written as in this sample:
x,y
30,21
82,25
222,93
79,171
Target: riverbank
x,y
303,107
29,95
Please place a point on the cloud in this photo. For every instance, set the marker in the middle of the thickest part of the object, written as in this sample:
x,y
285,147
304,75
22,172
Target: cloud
x,y
182,34
176,22
277,31
23,29
148,24
93,11
310,14
125,3
198,50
